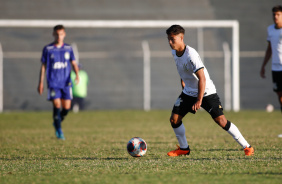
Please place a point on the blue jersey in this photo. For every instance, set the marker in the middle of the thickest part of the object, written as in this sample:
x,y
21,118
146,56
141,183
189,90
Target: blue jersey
x,y
58,65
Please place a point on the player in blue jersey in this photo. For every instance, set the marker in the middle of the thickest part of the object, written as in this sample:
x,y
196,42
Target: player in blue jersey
x,y
57,58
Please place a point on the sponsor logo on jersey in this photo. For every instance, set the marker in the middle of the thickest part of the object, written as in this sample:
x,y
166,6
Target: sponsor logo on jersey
x,y
185,67
67,55
60,65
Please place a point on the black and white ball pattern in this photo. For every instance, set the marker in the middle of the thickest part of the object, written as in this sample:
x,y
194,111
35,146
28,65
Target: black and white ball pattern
x,y
136,147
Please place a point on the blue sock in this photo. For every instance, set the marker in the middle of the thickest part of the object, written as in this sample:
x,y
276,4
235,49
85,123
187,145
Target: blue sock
x,y
60,132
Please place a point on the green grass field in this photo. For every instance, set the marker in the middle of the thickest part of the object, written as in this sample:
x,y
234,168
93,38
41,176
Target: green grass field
x,y
95,148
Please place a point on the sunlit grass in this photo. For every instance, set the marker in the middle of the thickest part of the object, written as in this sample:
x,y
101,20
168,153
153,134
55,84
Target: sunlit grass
x,y
95,148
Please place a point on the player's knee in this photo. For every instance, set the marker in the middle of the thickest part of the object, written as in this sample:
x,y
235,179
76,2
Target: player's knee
x,y
175,123
172,120
221,121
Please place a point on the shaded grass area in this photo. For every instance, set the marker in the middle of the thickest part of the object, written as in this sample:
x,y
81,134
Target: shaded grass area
x,y
95,148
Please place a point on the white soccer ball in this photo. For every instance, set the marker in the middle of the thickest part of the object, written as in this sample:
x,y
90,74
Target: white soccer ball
x,y
269,108
136,147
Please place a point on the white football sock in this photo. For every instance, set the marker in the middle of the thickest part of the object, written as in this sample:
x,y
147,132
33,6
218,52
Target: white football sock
x,y
180,135
236,134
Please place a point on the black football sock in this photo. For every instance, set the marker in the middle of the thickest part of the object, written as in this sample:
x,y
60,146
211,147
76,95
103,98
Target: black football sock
x,y
57,117
185,148
64,112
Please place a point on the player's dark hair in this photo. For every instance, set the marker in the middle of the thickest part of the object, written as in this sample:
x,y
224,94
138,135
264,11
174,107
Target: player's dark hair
x,y
175,30
58,27
277,8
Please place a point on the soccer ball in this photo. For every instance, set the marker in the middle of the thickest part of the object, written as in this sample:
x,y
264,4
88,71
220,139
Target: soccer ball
x,y
136,147
269,108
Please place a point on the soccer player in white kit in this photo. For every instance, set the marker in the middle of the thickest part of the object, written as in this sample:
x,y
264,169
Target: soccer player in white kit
x,y
198,91
274,49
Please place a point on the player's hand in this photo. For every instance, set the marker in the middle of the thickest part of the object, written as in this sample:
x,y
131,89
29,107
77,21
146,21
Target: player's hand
x,y
197,105
40,89
262,72
77,80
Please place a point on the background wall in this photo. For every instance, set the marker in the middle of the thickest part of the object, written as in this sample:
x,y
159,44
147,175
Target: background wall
x,y
116,75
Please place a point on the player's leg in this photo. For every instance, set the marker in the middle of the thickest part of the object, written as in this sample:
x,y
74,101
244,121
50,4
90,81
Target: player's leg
x,y
178,112
54,96
75,104
213,106
179,130
57,116
232,130
279,94
235,133
66,101
66,104
280,100
81,103
277,85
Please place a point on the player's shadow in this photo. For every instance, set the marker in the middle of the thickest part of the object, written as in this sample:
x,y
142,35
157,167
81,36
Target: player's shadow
x,y
217,157
92,158
214,150
63,158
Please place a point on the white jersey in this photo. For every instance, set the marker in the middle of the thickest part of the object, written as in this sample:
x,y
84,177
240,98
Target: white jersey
x,y
274,36
187,65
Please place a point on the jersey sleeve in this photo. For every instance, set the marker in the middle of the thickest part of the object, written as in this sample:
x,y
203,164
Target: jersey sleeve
x,y
195,61
44,55
72,57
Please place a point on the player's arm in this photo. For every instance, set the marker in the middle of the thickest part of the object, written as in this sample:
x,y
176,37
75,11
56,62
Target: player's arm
x,y
41,78
76,70
267,56
201,89
182,83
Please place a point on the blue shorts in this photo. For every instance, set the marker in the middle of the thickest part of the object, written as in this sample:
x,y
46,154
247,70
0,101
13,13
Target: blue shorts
x,y
64,93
